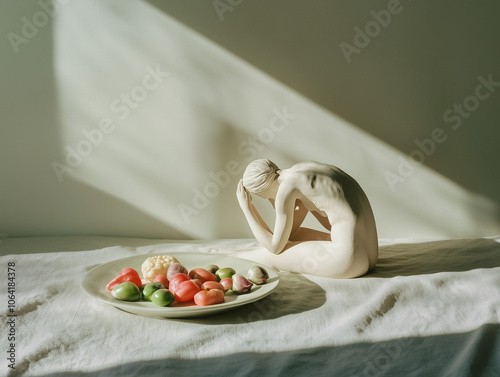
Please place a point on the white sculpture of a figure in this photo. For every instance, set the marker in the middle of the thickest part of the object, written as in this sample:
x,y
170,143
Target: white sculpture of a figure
x,y
348,250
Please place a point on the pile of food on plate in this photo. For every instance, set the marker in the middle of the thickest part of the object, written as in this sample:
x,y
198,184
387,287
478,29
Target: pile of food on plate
x,y
166,281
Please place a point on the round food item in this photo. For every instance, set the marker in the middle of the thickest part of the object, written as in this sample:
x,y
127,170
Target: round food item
x,y
162,297
227,283
257,275
202,274
176,281
161,279
241,284
225,272
127,274
209,285
127,291
157,265
186,290
174,269
150,288
212,268
205,298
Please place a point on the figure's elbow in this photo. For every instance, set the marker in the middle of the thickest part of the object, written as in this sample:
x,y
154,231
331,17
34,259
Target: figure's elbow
x,y
276,251
276,248
273,250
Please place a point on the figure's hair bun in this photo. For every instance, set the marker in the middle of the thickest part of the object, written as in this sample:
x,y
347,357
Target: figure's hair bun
x,y
259,174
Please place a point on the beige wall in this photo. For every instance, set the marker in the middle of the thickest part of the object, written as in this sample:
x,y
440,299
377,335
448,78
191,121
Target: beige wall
x,y
136,118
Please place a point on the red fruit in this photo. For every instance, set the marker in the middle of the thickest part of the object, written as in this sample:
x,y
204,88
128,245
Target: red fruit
x,y
202,274
227,283
127,274
185,291
205,298
198,282
209,285
176,280
162,279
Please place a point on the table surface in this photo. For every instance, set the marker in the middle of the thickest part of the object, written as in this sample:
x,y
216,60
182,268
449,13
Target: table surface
x,y
426,309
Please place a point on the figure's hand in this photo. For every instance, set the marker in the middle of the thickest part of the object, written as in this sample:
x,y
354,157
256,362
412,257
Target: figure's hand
x,y
244,197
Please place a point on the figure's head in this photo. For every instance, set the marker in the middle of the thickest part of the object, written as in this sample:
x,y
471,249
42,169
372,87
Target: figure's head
x,y
260,175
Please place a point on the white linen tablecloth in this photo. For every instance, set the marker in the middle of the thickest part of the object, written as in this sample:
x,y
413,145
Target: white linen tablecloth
x,y
430,308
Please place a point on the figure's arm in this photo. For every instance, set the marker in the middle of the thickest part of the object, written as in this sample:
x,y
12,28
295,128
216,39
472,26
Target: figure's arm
x,y
285,205
323,220
245,201
299,214
256,214
257,225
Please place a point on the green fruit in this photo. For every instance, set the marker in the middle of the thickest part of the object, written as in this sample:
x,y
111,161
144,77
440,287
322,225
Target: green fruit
x,y
149,289
162,297
226,272
127,291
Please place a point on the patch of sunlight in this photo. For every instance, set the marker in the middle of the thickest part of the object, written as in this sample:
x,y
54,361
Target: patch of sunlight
x,y
165,120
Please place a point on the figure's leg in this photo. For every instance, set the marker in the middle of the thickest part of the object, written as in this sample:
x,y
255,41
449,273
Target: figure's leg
x,y
320,258
307,234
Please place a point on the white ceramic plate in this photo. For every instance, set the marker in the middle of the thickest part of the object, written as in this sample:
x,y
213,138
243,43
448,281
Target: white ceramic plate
x,y
94,285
